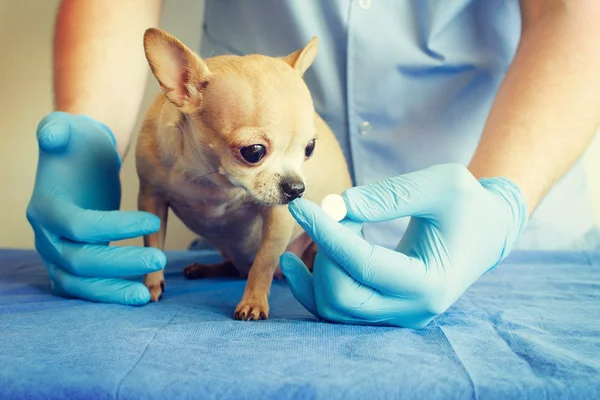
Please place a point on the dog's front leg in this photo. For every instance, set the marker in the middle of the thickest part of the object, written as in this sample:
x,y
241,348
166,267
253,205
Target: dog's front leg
x,y
152,202
277,230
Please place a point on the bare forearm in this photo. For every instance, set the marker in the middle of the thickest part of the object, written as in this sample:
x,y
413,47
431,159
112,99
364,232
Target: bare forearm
x,y
99,64
548,107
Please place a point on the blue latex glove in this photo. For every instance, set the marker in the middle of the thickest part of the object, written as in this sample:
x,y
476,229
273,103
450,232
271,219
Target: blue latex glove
x,y
460,229
73,213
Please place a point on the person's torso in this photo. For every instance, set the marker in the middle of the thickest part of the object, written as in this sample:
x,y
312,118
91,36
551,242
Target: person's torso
x,y
403,84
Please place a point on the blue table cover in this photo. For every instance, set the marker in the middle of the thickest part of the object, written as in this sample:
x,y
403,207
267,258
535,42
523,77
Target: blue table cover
x,y
529,329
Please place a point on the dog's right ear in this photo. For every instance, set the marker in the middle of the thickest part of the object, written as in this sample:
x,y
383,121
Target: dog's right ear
x,y
182,75
303,58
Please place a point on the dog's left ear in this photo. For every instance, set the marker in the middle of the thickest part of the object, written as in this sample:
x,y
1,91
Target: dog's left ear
x,y
302,59
182,75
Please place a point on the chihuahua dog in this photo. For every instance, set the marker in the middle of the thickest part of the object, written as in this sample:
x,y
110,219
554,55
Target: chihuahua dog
x,y
228,143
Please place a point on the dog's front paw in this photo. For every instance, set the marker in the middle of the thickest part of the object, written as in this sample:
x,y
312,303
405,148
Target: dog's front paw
x,y
155,283
252,308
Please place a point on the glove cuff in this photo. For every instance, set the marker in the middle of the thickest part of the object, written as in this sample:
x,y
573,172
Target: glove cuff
x,y
518,207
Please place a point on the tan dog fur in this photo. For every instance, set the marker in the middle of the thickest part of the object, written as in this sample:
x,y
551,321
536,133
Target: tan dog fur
x,y
188,159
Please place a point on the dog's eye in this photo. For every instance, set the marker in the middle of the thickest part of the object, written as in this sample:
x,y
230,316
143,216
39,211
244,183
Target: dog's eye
x,y
309,148
254,153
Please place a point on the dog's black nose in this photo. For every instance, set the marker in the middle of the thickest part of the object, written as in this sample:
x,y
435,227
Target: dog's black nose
x,y
292,189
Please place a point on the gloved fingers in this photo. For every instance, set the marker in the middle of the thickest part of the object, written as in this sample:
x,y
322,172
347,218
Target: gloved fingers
x,y
53,132
101,290
300,281
388,311
335,288
56,290
337,240
299,277
419,193
353,226
392,198
65,219
331,314
306,292
46,243
342,299
100,261
377,267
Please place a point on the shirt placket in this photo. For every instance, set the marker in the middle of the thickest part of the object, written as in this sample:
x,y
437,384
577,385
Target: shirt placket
x,y
359,128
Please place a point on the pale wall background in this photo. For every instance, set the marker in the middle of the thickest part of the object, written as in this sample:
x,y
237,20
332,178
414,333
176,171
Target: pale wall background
x,y
26,29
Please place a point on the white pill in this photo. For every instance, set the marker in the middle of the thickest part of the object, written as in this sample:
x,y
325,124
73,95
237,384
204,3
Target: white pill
x,y
335,206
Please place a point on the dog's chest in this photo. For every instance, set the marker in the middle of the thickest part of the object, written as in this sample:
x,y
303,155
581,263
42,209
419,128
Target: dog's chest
x,y
205,201
225,216
205,205
228,220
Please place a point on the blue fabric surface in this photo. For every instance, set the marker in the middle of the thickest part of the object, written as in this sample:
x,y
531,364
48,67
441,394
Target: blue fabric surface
x,y
529,329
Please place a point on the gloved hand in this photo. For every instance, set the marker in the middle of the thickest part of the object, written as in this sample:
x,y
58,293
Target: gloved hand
x,y
73,213
460,229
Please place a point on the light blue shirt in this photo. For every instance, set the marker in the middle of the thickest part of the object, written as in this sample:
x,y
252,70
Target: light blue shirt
x,y
404,84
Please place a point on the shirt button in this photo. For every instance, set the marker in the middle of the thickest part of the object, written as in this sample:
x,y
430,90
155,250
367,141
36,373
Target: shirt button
x,y
364,128
365,4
